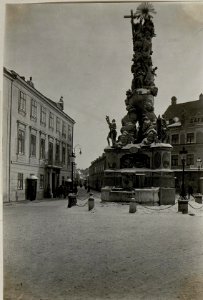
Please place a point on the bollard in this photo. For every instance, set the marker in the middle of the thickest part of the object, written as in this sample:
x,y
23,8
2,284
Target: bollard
x,y
71,200
91,202
133,206
198,198
183,206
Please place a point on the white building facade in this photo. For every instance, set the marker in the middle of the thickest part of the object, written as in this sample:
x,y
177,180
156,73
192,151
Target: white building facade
x,y
37,140
185,129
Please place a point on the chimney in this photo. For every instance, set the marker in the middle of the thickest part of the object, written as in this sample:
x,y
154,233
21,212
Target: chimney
x,y
61,103
173,100
201,97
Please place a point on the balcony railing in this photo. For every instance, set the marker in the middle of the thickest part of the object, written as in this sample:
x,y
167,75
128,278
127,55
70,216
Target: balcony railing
x,y
54,163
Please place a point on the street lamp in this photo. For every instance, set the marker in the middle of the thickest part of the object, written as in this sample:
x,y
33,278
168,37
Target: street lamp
x,y
73,156
183,153
199,165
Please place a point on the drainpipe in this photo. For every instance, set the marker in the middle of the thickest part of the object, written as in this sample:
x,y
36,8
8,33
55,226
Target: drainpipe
x,y
9,172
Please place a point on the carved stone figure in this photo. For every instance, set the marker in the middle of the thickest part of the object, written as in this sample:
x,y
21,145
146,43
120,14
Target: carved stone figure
x,y
148,26
128,129
112,133
125,138
162,129
137,28
149,132
137,81
147,45
154,91
128,96
149,79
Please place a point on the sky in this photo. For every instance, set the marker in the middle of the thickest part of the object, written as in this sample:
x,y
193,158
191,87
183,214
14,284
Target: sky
x,y
83,52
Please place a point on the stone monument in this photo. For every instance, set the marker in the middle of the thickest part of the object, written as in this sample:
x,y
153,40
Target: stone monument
x,y
139,161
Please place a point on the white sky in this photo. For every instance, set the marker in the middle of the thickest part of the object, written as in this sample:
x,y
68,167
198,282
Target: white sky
x,y
84,52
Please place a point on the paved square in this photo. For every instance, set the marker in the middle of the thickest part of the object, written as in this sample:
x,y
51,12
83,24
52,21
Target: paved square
x,y
55,252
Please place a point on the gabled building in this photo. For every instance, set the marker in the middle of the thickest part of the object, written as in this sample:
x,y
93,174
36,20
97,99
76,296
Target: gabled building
x,y
37,139
185,124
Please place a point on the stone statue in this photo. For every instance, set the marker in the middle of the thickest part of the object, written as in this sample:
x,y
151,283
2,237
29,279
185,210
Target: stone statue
x,y
112,133
148,132
148,27
162,129
137,81
139,125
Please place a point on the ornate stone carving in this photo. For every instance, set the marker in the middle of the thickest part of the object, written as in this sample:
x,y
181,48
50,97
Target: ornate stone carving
x,y
112,133
162,129
141,128
139,125
138,160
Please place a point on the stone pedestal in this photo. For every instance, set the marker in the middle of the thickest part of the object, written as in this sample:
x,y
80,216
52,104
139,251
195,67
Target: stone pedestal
x,y
146,170
147,196
166,196
116,195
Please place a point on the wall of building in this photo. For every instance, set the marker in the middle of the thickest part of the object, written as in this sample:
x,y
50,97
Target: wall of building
x,y
96,173
22,119
185,124
5,137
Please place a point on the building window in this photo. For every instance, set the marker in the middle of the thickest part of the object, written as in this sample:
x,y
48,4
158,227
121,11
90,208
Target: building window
x,y
63,154
20,181
51,120
190,138
32,145
69,133
21,141
199,137
41,182
33,111
64,130
174,139
190,159
22,103
42,148
50,152
57,153
58,124
174,160
43,116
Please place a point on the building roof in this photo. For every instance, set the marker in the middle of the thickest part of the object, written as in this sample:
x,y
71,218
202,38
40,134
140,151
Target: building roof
x,y
15,75
189,109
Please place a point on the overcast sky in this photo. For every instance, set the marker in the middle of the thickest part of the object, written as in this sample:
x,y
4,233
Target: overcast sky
x,y
84,52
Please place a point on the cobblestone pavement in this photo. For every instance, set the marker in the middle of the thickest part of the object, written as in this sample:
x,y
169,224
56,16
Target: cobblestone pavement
x,y
54,252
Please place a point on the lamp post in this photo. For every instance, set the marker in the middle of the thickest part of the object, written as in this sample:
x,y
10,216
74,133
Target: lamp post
x,y
183,153
73,156
183,202
199,165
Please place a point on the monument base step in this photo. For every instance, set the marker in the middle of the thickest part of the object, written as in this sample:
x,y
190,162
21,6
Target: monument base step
x,y
146,196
